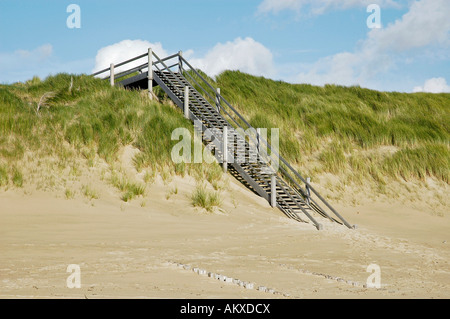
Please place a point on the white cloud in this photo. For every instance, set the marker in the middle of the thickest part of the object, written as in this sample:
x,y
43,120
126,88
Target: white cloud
x,y
426,23
434,85
371,64
25,57
39,54
23,64
125,50
246,55
340,69
317,7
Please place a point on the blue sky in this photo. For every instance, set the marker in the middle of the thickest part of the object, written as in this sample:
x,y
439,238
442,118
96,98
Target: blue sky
x,y
298,41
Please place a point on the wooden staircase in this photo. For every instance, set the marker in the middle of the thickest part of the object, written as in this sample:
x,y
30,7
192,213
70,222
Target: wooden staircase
x,y
245,160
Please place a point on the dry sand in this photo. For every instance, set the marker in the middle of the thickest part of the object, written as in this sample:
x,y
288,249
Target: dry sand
x,y
131,250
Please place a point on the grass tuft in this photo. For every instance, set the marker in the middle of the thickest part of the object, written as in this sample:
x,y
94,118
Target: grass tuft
x,y
208,200
129,189
89,192
17,177
69,194
4,180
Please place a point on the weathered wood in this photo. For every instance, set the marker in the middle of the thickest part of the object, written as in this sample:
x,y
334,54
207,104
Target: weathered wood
x,y
111,74
150,74
218,99
186,102
273,190
225,148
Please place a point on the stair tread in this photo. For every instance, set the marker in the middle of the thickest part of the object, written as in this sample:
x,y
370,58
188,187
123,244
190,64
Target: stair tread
x,y
287,198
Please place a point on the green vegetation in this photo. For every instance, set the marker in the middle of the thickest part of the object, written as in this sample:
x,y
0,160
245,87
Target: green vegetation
x,y
87,114
342,128
358,134
3,176
14,175
171,192
89,192
208,200
69,194
129,189
65,118
419,162
17,177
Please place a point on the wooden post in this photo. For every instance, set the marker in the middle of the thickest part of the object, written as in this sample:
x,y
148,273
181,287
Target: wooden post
x,y
225,149
150,73
308,191
273,190
180,62
218,99
258,142
186,102
111,74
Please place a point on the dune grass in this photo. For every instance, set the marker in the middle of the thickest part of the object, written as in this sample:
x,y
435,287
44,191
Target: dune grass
x,y
69,194
330,129
69,117
129,189
11,175
420,162
4,179
336,125
17,177
209,200
89,116
89,192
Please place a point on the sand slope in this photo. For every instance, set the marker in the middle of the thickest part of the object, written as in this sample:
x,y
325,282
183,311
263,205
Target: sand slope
x,y
125,250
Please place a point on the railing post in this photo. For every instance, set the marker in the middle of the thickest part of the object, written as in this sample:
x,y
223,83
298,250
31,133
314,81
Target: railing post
x,y
180,62
218,99
186,102
150,73
258,141
273,190
225,149
111,74
308,191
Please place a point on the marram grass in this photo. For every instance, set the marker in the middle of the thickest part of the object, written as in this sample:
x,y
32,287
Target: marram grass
x,y
330,129
354,121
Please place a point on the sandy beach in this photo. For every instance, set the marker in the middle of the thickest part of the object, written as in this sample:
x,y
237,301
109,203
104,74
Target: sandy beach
x,y
150,248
